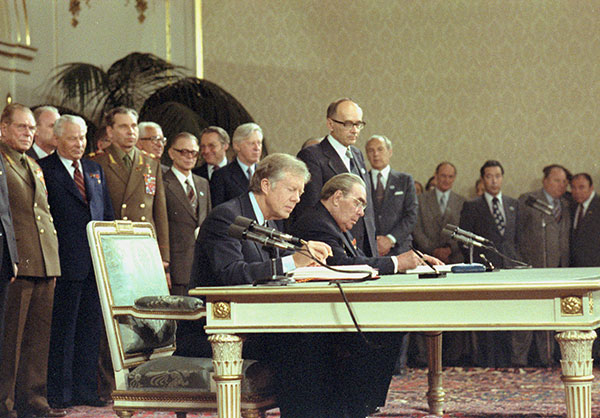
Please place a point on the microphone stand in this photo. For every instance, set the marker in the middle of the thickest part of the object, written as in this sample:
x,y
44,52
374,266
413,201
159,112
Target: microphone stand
x,y
544,249
274,279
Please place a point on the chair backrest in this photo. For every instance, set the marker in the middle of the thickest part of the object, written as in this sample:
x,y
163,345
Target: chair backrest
x,y
128,265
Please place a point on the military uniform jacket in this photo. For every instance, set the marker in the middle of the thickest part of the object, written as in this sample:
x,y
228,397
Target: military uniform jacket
x,y
37,243
139,195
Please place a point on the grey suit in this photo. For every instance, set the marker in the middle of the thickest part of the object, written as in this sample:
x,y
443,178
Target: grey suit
x,y
398,213
542,242
183,221
430,223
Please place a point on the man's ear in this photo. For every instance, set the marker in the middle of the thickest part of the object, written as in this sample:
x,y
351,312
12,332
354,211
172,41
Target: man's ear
x,y
336,197
265,185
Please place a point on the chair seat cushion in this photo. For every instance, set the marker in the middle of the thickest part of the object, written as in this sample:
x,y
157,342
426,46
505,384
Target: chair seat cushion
x,y
195,374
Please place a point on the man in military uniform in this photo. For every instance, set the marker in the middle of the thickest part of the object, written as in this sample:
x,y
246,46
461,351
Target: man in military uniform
x,y
23,368
134,178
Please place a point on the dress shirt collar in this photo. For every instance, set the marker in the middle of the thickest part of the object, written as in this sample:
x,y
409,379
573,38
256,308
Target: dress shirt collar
x,y
549,198
439,194
586,204
121,153
182,178
260,218
488,198
340,149
211,168
39,151
385,173
69,165
245,167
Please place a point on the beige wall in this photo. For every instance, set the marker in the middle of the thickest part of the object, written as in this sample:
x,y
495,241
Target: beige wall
x,y
466,81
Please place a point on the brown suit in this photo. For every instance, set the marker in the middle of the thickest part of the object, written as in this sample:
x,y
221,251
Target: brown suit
x,y
137,196
183,221
30,297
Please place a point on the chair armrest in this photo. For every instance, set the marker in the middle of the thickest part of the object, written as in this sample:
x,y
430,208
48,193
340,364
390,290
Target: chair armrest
x,y
164,307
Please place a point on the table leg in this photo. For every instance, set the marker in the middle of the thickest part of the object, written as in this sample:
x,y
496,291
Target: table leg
x,y
227,363
577,376
435,394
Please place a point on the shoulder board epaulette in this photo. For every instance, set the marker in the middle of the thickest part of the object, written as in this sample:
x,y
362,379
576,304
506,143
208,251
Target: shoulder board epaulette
x,y
149,154
91,155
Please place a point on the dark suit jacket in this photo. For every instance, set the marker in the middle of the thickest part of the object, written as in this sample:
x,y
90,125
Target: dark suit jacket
x,y
71,213
220,260
476,217
31,152
585,248
398,213
227,183
318,224
183,221
139,195
324,163
533,235
201,171
8,245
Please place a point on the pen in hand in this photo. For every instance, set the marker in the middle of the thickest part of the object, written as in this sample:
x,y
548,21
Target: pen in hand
x,y
422,257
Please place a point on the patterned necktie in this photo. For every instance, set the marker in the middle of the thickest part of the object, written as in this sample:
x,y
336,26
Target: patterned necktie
x,y
379,190
578,216
556,210
443,203
353,168
191,195
498,215
249,172
78,177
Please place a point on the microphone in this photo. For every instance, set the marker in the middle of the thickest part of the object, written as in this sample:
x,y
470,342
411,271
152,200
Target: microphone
x,y
241,233
273,233
538,204
465,240
467,234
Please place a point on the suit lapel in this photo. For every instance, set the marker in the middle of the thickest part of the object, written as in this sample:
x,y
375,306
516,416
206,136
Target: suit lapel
x,y
65,179
248,212
334,161
199,194
347,241
177,189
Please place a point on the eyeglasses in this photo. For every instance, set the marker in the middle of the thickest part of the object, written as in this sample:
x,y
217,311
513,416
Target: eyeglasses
x,y
157,139
24,126
358,203
349,124
187,152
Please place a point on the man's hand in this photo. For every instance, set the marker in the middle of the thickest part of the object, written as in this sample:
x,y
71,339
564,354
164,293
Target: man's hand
x,y
318,249
384,245
433,260
410,260
443,253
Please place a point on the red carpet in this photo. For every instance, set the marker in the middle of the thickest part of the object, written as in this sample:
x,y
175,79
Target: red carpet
x,y
470,393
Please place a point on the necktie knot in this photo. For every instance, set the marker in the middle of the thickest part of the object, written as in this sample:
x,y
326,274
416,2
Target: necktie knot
x,y
352,163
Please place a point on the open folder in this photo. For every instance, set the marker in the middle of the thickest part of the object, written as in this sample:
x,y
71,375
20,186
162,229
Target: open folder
x,y
354,272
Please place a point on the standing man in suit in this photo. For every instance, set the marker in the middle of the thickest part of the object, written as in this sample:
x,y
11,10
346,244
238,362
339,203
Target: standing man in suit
x,y
337,154
44,142
394,198
134,178
437,208
585,249
77,194
8,247
214,143
188,203
233,179
24,363
492,216
543,241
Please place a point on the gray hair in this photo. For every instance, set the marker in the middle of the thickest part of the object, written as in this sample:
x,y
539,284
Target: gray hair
x,y
343,182
142,126
222,133
59,125
37,113
275,167
382,138
244,131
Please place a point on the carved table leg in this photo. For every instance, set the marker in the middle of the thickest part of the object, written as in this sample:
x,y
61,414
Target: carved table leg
x,y
576,364
227,363
435,394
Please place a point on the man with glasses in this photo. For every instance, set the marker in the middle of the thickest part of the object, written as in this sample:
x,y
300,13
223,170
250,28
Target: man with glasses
x,y
188,203
152,141
336,154
25,345
214,143
343,203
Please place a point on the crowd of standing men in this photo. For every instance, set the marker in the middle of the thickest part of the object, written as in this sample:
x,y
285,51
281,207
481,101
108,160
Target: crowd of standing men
x,y
52,336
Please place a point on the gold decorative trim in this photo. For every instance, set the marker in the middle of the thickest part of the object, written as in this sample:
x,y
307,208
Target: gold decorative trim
x,y
571,305
591,302
30,48
198,38
14,70
221,310
26,17
16,55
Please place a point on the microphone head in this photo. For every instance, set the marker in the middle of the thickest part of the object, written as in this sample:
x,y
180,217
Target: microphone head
x,y
243,221
451,227
237,231
448,233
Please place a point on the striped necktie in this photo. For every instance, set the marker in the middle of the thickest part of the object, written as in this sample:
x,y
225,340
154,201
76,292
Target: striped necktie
x,y
78,177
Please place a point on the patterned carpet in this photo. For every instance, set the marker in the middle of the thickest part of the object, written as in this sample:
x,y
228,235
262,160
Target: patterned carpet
x,y
470,393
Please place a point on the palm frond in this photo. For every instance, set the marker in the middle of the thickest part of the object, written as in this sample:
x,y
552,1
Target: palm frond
x,y
80,83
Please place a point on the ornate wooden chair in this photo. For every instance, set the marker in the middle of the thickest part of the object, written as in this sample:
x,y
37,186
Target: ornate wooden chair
x,y
139,317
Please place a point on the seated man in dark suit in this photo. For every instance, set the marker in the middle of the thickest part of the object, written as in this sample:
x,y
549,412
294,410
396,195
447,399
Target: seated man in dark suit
x,y
233,179
343,201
